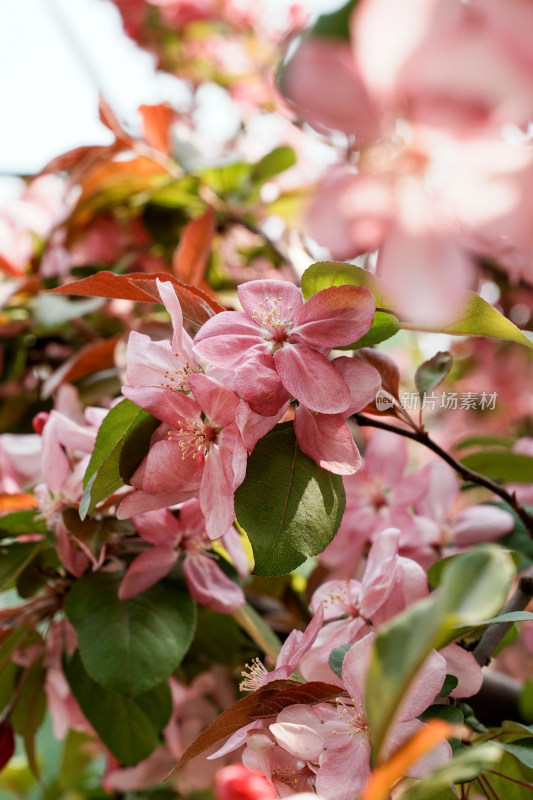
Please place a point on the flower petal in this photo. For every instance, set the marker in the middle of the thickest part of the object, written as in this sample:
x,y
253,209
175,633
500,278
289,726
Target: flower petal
x,y
311,379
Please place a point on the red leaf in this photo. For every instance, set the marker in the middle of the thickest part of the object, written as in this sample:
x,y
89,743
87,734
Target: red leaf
x,y
110,120
92,358
7,743
156,126
307,694
190,257
71,158
236,716
196,305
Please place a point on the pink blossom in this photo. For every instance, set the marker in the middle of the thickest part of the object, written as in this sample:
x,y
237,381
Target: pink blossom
x,y
294,336
335,738
379,496
201,455
450,529
170,535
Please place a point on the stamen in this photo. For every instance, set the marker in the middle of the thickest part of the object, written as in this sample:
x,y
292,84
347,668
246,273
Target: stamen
x,y
253,675
194,438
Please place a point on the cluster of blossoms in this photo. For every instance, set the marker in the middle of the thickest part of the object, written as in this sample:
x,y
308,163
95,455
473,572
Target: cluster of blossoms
x,y
433,184
219,394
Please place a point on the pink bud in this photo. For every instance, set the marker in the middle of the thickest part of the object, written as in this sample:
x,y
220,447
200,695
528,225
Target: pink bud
x,y
236,782
39,421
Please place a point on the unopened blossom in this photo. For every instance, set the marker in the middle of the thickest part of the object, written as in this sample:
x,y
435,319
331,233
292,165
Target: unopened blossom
x,y
236,782
278,330
200,454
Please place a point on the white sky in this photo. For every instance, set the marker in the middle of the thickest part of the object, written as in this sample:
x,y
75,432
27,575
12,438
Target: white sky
x,y
55,56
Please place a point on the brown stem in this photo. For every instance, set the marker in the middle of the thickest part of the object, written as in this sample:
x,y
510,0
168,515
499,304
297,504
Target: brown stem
x,y
423,438
492,637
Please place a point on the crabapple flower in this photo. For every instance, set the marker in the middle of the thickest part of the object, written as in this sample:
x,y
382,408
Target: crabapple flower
x,y
170,536
201,454
295,337
379,496
162,363
334,738
448,531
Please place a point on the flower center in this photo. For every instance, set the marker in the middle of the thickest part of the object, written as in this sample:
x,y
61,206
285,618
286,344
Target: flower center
x,y
268,316
194,438
178,379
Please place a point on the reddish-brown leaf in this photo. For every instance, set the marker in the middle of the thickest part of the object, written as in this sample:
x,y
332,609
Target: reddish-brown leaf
x,y
70,159
196,305
307,694
110,120
91,358
190,257
236,716
390,375
156,126
7,743
16,502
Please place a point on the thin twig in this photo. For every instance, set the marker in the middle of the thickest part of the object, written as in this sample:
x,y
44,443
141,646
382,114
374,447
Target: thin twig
x,y
423,438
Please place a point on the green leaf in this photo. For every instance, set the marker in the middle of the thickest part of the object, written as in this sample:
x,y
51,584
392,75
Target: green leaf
x,y
336,658
129,726
13,559
485,441
28,714
21,522
121,443
324,274
278,160
335,24
129,646
478,319
228,180
522,749
525,701
465,766
432,372
289,506
384,326
474,587
51,311
501,465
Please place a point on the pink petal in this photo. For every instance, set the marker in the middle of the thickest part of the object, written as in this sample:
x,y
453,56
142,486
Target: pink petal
x,y
311,379
442,491
166,404
254,294
463,665
355,667
252,426
216,497
481,524
424,688
258,382
210,586
166,471
149,363
217,402
140,502
145,570
298,642
158,527
335,316
345,769
318,64
228,337
298,740
437,756
386,456
362,379
327,439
